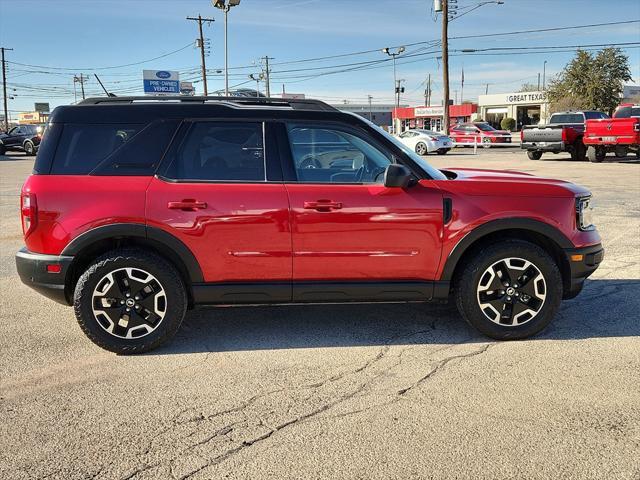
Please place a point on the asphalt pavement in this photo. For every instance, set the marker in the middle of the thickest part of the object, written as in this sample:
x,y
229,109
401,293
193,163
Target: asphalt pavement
x,y
335,391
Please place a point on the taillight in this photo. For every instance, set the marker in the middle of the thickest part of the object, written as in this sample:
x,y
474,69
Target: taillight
x,y
564,134
29,211
522,135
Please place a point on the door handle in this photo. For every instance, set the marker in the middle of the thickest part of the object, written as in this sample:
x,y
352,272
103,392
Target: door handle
x,y
187,205
322,205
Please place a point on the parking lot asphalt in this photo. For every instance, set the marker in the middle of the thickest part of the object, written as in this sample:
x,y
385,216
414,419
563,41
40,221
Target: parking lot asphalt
x,y
335,391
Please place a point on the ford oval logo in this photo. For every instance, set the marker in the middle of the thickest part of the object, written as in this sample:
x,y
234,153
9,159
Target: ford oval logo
x,y
163,74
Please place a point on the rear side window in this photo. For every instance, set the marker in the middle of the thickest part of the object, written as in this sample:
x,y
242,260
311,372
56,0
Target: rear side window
x,y
627,112
216,151
595,115
82,147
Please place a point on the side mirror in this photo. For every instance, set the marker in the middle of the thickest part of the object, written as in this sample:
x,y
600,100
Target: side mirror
x,y
397,176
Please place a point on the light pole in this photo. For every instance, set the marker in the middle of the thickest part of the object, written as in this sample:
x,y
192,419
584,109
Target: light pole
x,y
257,78
393,55
544,75
225,7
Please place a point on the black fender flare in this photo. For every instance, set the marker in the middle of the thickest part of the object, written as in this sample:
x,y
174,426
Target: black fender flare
x,y
142,231
493,226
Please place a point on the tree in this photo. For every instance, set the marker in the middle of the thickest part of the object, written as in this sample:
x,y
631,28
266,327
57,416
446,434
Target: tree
x,y
508,123
591,81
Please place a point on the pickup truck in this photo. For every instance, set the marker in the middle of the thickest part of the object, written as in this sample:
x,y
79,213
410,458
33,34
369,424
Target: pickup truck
x,y
563,133
619,134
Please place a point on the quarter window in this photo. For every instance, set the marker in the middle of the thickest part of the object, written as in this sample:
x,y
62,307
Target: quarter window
x,y
216,151
330,155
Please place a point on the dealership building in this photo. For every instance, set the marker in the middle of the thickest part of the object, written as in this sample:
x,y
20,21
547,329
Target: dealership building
x,y
527,108
431,118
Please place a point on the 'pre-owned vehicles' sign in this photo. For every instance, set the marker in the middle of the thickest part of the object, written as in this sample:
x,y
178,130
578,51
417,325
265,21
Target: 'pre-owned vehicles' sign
x,y
161,82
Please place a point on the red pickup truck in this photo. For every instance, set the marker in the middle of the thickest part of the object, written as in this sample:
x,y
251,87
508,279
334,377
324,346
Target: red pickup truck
x,y
619,134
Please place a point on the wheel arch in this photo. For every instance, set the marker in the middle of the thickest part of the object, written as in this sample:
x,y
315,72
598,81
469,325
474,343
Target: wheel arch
x,y
97,241
539,233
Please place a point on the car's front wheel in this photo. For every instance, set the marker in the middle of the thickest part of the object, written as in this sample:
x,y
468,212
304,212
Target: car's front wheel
x,y
510,290
421,148
130,301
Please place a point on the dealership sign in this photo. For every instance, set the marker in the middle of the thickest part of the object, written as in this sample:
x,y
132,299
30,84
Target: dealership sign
x,y
429,111
161,82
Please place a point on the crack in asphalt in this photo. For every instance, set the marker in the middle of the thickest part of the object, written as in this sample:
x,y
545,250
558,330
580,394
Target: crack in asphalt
x,y
441,364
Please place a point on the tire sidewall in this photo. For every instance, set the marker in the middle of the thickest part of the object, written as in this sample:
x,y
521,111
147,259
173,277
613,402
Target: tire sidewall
x,y
424,145
156,266
466,297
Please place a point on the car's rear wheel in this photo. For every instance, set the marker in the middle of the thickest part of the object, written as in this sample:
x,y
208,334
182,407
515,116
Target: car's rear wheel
x,y
130,301
29,148
621,151
534,154
421,148
510,290
3,150
596,154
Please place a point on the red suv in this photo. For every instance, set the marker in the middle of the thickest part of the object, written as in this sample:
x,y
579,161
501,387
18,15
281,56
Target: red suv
x,y
140,209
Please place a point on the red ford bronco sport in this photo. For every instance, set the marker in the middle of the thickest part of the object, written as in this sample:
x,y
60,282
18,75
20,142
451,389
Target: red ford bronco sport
x,y
139,209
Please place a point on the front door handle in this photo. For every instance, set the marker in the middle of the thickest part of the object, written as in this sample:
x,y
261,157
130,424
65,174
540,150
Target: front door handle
x,y
187,205
322,205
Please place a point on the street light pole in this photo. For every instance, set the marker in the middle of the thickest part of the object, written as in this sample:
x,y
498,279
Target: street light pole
x,y
544,75
225,8
445,64
396,86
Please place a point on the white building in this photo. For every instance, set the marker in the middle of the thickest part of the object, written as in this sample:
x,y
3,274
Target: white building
x,y
527,108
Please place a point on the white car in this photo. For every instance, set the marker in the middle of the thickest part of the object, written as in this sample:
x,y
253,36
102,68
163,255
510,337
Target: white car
x,y
426,141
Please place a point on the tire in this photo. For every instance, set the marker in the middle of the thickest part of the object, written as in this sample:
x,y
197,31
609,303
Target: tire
x,y
578,152
3,150
486,142
421,148
534,154
621,151
596,154
29,148
543,297
442,151
104,284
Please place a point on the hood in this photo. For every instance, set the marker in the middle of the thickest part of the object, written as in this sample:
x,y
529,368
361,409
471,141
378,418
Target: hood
x,y
511,183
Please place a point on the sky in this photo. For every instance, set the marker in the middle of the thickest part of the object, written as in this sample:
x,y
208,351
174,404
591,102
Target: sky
x,y
63,38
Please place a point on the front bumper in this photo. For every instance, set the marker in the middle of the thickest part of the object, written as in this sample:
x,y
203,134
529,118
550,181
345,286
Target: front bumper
x,y
32,269
582,263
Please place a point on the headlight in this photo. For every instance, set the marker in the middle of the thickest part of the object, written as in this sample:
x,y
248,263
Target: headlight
x,y
584,211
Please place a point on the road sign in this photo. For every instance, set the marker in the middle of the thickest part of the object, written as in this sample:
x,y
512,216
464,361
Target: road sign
x,y
161,82
41,107
186,88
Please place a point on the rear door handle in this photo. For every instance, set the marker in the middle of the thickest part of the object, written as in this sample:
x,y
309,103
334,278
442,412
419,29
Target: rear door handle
x,y
322,205
187,205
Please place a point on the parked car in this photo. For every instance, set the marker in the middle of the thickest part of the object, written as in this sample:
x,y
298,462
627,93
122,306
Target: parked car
x,y
140,209
480,133
24,138
426,141
620,134
563,133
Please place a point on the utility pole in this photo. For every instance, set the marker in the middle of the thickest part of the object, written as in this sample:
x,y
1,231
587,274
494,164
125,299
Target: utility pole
x,y
80,79
370,112
199,19
544,75
427,92
538,81
4,89
266,72
486,90
445,63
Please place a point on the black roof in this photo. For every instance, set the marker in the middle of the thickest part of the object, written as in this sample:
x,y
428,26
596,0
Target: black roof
x,y
145,109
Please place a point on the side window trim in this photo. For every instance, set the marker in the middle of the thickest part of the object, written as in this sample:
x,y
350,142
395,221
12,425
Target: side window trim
x,y
181,136
361,134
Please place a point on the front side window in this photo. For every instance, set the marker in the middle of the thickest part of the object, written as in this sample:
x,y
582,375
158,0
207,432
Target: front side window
x,y
485,127
221,151
323,154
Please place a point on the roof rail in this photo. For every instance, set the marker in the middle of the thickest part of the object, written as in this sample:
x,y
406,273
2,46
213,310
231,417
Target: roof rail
x,y
236,102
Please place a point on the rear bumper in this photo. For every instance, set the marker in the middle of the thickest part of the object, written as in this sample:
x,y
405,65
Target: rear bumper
x,y
582,263
544,146
32,269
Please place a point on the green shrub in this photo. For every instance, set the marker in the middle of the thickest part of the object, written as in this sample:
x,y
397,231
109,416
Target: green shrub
x,y
508,123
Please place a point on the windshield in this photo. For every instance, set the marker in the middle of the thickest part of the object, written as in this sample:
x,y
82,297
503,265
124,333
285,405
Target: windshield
x,y
430,170
485,127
